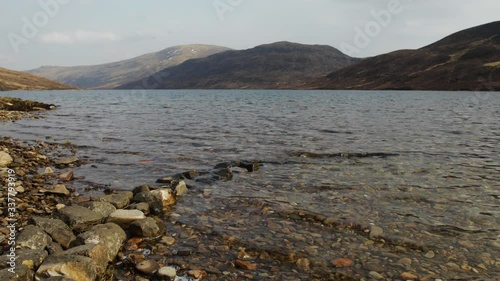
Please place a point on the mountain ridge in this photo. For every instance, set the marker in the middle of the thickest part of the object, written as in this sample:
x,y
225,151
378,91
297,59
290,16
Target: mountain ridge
x,y
110,75
11,80
279,65
465,60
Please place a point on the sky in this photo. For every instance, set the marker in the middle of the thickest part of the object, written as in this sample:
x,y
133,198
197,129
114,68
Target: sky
x,y
34,33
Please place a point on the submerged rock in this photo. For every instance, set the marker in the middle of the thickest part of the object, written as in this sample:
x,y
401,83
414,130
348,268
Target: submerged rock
x,y
181,188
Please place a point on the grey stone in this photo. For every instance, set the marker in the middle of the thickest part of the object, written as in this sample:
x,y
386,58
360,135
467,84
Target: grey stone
x,y
109,235
155,204
375,231
147,267
66,160
57,229
79,218
78,268
33,237
102,208
58,189
54,248
119,200
31,258
181,188
142,206
145,228
22,273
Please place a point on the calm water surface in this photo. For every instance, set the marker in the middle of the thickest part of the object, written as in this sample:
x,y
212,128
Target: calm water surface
x,y
434,191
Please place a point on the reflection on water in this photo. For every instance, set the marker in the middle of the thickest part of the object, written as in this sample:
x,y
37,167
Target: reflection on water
x,y
393,181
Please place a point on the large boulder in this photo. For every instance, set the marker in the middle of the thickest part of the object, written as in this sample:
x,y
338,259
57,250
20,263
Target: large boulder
x,y
109,235
79,218
120,200
33,237
57,229
78,268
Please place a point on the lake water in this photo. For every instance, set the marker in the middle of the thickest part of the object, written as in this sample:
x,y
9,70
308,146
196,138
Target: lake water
x,y
430,179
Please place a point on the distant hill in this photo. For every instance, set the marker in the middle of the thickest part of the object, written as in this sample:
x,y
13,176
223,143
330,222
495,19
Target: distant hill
x,y
281,65
466,60
11,80
113,74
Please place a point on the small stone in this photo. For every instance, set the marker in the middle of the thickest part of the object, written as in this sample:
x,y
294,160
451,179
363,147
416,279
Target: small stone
x,y
165,196
245,265
66,160
376,275
20,189
375,231
405,261
5,159
304,264
60,206
48,171
430,254
197,274
67,176
408,276
168,240
147,267
124,218
167,272
181,189
342,262
58,189
185,251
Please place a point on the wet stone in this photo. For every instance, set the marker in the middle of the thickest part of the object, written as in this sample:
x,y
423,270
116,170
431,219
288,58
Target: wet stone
x,y
66,160
57,189
375,231
67,176
185,251
147,267
146,227
155,204
166,273
181,188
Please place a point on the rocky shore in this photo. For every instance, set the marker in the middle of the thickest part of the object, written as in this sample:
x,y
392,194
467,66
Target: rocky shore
x,y
48,231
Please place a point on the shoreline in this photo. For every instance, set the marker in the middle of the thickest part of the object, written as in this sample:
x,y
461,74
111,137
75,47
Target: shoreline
x,y
54,227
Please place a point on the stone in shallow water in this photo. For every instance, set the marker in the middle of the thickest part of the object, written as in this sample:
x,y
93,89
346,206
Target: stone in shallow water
x,y
57,229
181,188
66,160
58,189
147,267
375,231
78,268
165,196
155,204
33,237
166,272
67,176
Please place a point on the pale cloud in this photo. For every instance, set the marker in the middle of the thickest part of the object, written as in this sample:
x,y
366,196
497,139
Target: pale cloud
x,y
80,36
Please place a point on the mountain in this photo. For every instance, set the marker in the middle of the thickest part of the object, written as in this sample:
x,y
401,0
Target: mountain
x,y
281,65
110,75
11,80
466,60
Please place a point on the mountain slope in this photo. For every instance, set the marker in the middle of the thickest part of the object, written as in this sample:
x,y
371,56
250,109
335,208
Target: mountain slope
x,y
11,80
281,65
466,60
110,75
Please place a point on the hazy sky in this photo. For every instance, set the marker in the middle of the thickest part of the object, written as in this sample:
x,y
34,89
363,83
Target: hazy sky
x,y
79,32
